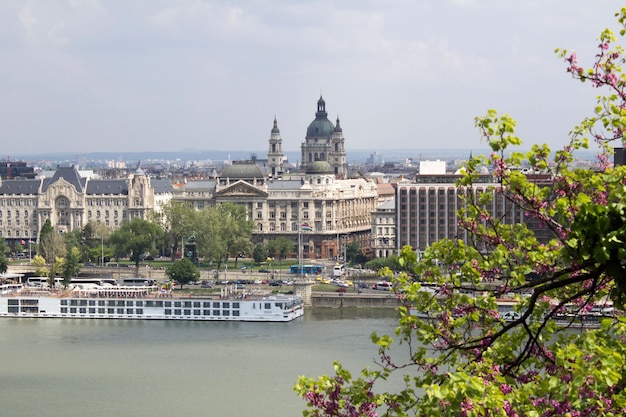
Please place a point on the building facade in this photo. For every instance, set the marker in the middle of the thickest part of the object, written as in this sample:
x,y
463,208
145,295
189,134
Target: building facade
x,y
427,210
324,142
70,201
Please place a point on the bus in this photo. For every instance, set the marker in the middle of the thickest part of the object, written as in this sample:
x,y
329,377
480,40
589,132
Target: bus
x,y
141,282
339,270
43,282
84,283
306,269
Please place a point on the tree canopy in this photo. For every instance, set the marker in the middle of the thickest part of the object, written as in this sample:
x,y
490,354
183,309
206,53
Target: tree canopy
x,y
135,238
468,360
183,271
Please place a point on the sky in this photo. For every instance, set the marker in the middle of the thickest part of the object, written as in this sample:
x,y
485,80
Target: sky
x,y
168,75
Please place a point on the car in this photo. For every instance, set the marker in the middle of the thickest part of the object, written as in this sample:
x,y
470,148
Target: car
x,y
383,285
206,285
275,283
341,290
363,285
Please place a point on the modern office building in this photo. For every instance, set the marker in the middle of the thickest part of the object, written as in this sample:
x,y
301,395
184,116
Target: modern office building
x,y
427,209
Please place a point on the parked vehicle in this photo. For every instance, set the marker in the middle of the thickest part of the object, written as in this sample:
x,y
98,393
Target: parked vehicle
x,y
382,285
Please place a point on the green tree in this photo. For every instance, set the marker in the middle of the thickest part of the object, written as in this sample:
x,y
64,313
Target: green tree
x,y
467,360
183,272
260,253
4,261
279,248
240,248
179,221
222,227
354,254
135,238
94,242
53,249
71,266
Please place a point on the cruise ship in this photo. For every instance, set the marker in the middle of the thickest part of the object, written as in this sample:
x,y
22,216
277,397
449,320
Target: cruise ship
x,y
144,303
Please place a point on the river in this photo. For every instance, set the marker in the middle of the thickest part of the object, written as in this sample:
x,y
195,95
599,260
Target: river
x,y
104,368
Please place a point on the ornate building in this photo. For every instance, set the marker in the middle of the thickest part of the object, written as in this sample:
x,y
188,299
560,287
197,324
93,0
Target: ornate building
x,y
70,200
318,207
324,142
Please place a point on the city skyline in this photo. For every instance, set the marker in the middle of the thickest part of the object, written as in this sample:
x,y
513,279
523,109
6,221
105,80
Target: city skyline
x,y
111,76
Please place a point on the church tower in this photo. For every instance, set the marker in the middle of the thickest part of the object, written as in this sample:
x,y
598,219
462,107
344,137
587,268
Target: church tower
x,y
275,155
324,142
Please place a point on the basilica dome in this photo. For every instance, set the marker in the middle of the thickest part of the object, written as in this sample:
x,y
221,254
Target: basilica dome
x,y
321,126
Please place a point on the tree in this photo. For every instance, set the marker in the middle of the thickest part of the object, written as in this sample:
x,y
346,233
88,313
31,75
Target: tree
x,y
259,254
135,238
183,272
53,249
354,254
178,221
71,266
469,361
222,227
4,262
241,247
280,247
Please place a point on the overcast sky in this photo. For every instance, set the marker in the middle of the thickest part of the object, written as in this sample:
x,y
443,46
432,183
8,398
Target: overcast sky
x,y
133,75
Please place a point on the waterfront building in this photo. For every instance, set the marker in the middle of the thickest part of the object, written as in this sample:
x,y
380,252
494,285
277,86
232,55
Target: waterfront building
x,y
427,209
70,200
318,208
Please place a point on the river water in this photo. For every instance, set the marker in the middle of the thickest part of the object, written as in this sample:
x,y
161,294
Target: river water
x,y
98,368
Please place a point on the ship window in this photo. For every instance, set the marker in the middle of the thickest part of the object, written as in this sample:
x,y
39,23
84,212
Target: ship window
x,y
196,304
206,304
168,311
168,304
101,303
216,312
72,310
196,312
92,310
101,311
15,302
63,310
177,304
159,303
92,302
83,310
235,305
187,312
120,311
187,304
129,311
226,313
110,310
236,313
206,312
177,312
268,306
226,305
129,303
139,303
216,305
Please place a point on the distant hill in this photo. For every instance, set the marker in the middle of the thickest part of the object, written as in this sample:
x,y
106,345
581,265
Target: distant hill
x,y
353,156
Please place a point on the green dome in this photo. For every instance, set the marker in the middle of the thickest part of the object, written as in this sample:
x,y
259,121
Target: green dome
x,y
321,126
242,170
319,167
